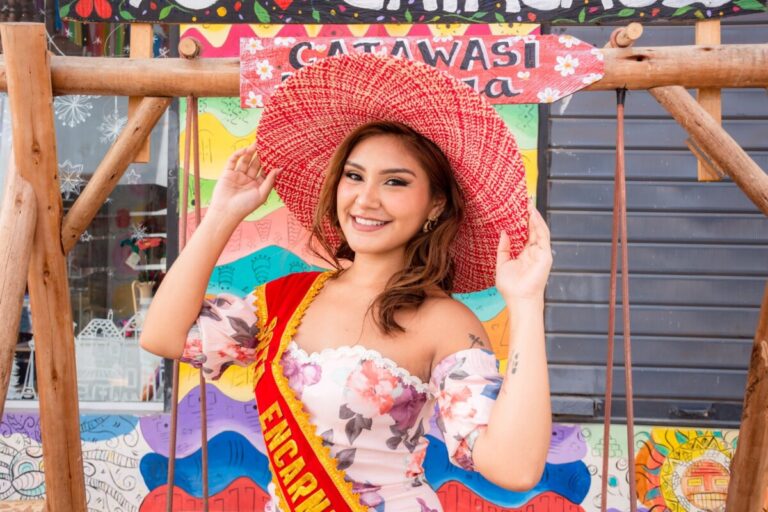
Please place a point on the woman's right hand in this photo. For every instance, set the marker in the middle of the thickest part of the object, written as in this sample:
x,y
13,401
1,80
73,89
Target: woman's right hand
x,y
242,186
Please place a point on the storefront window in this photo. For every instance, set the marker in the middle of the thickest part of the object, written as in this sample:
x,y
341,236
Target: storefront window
x,y
118,262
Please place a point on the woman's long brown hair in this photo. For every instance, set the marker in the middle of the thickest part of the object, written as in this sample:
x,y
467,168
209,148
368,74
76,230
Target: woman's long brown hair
x,y
428,262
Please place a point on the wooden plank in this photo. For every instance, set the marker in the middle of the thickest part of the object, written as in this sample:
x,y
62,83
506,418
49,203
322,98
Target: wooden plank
x,y
665,290
663,259
142,39
708,33
654,351
34,144
712,198
716,143
111,169
701,384
746,103
597,163
17,229
674,227
749,469
646,133
635,68
652,320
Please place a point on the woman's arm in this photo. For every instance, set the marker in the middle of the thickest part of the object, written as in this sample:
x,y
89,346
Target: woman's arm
x,y
241,188
512,450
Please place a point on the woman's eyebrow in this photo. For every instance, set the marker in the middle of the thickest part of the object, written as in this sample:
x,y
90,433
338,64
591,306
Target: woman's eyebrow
x,y
394,170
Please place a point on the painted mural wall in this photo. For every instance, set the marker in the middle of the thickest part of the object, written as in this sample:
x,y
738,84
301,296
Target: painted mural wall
x,y
126,456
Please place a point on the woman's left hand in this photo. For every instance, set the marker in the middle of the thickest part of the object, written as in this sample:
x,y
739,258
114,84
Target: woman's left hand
x,y
525,277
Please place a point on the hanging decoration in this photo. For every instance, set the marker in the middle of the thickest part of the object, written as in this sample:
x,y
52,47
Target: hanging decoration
x,y
397,11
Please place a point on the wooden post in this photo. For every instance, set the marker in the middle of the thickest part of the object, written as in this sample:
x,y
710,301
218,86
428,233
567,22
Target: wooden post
x,y
736,65
111,169
142,37
749,468
17,228
708,33
34,144
712,140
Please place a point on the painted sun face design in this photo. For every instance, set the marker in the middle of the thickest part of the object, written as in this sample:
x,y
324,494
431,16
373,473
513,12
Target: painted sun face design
x,y
705,484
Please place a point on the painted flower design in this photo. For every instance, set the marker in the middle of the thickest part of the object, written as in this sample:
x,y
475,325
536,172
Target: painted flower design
x,y
415,462
548,95
370,390
591,78
264,69
253,45
598,53
254,100
566,65
300,374
284,41
567,40
456,404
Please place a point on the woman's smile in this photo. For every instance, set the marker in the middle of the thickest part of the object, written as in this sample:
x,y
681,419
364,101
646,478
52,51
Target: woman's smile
x,y
368,224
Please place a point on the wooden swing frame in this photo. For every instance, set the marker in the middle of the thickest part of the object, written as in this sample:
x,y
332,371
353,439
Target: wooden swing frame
x,y
35,236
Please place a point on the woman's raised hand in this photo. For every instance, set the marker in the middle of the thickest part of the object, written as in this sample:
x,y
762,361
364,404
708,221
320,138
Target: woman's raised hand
x,y
526,276
242,186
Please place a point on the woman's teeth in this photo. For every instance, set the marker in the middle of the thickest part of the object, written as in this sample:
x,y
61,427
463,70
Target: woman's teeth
x,y
368,222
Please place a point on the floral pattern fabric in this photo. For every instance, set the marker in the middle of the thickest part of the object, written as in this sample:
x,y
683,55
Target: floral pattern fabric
x,y
372,413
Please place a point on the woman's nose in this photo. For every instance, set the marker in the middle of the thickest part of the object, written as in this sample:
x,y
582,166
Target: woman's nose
x,y
367,197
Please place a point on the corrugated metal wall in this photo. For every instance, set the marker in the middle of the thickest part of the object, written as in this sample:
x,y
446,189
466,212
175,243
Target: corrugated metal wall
x,y
698,251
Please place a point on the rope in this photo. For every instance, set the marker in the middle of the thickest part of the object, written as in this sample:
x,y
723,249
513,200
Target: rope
x,y
192,132
619,230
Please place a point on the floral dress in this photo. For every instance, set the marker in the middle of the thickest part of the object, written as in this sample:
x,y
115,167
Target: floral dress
x,y
372,413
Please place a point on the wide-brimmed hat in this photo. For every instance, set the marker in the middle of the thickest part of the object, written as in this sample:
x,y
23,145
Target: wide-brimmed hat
x,y
312,112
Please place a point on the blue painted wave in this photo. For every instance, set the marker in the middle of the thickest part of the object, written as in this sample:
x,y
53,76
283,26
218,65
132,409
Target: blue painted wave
x,y
230,456
485,304
241,276
570,480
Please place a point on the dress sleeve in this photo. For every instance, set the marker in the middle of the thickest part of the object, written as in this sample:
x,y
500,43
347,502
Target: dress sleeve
x,y
224,334
465,385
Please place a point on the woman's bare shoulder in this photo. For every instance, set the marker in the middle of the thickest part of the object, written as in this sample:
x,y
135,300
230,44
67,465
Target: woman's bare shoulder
x,y
451,326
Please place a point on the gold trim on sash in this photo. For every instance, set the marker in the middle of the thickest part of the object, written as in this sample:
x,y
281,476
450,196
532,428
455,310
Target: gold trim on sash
x,y
323,452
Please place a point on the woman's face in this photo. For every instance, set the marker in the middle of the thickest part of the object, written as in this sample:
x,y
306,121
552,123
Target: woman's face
x,y
383,197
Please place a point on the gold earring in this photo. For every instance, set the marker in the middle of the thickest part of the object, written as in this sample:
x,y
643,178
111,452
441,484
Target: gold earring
x,y
429,225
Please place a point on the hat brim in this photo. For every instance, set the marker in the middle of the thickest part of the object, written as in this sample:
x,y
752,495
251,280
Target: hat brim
x,y
312,112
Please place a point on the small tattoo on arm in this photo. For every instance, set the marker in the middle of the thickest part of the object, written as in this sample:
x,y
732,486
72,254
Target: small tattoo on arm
x,y
513,363
476,341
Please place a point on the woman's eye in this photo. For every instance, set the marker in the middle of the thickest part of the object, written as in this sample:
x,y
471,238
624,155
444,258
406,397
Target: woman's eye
x,y
396,182
353,176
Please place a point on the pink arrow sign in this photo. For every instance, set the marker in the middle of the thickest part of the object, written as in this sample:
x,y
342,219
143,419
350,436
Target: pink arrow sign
x,y
518,69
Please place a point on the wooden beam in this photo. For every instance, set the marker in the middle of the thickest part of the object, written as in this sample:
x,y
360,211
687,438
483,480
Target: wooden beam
x,y
749,468
708,32
142,37
111,169
712,140
34,144
634,68
17,229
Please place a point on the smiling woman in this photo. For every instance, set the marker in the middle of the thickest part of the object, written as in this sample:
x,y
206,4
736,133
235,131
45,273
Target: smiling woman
x,y
412,188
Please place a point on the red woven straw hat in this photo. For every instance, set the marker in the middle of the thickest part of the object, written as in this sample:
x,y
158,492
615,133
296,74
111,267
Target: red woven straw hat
x,y
312,112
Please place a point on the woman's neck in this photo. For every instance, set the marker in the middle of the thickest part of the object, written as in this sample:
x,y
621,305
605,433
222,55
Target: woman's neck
x,y
373,271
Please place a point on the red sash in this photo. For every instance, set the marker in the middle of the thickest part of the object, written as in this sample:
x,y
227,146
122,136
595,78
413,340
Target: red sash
x,y
305,475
